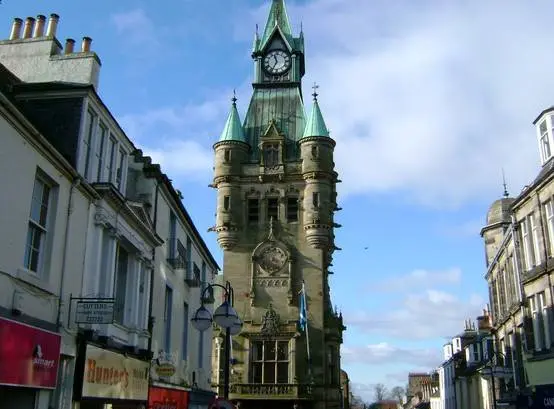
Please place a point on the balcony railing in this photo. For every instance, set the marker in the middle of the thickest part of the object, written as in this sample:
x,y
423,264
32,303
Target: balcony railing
x,y
193,280
278,391
176,255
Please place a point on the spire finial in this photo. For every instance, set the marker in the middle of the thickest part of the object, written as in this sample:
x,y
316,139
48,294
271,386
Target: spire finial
x,y
234,99
504,184
257,28
315,94
301,27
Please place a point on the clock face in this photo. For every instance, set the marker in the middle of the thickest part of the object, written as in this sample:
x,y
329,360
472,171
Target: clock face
x,y
277,62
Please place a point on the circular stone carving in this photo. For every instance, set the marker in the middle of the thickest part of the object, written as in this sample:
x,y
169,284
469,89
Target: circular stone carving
x,y
272,259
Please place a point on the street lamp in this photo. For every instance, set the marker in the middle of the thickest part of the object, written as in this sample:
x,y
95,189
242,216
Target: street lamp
x,y
501,372
225,317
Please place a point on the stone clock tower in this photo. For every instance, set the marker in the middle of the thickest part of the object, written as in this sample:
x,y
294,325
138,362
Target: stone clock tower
x,y
276,199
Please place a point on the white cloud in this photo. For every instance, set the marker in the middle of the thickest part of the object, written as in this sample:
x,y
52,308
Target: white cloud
x,y
385,353
430,98
418,278
136,28
426,314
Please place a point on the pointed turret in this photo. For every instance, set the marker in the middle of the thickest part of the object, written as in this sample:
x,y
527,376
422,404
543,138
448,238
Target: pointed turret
x,y
315,126
231,152
233,130
277,18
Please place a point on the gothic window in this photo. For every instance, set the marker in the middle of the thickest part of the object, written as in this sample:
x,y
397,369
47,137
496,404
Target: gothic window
x,y
315,152
271,155
273,208
253,209
226,203
269,361
292,209
332,366
227,155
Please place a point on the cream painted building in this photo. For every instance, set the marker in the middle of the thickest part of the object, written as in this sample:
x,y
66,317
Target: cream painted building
x,y
184,266
38,261
117,273
519,238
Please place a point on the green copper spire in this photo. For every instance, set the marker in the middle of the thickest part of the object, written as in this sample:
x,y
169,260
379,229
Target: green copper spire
x,y
233,130
277,18
315,125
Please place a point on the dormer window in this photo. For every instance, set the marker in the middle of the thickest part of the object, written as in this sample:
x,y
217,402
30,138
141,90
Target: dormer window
x,y
546,152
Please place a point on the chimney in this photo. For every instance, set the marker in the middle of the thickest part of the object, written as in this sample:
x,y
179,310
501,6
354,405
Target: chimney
x,y
484,322
85,47
69,45
39,26
28,29
52,25
16,29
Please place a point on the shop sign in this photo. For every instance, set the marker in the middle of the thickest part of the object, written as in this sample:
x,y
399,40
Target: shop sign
x,y
29,356
164,398
164,365
114,376
94,311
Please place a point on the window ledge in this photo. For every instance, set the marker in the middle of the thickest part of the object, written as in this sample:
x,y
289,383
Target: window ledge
x,y
33,279
541,355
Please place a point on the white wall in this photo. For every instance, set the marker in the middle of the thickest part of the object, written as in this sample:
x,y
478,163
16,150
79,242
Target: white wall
x,y
39,60
36,295
182,293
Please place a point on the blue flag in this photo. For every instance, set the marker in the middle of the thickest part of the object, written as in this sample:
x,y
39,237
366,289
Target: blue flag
x,y
303,319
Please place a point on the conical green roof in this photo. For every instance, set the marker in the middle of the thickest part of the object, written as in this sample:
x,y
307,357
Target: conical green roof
x,y
315,125
277,18
233,130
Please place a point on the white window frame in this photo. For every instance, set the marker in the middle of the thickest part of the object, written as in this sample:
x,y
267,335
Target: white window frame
x,y
43,229
549,213
102,134
89,141
535,230
544,140
539,315
528,247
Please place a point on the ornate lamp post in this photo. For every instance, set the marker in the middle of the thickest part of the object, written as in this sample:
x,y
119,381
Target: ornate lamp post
x,y
225,317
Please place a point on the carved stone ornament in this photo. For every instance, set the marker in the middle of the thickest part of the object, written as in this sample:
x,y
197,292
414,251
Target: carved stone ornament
x,y
272,259
270,322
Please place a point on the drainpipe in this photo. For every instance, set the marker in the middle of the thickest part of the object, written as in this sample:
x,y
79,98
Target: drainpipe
x,y
152,271
76,182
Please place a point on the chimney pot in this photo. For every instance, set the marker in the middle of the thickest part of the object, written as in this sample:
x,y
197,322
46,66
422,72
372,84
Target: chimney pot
x,y
69,45
52,25
16,28
39,26
85,47
28,29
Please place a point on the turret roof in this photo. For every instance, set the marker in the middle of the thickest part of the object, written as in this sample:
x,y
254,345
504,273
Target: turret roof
x,y
233,130
315,125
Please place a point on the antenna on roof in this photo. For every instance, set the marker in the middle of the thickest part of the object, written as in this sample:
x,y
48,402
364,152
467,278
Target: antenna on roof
x,y
504,184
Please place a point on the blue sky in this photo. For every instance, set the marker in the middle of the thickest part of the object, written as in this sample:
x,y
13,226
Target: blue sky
x,y
427,100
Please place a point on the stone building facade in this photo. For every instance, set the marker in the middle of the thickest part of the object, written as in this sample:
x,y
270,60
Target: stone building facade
x,y
519,237
276,199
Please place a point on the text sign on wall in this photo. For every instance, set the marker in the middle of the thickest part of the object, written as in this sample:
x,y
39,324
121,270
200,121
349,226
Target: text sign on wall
x,y
94,312
114,376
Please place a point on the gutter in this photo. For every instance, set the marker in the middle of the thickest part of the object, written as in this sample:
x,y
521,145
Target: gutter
x,y
76,182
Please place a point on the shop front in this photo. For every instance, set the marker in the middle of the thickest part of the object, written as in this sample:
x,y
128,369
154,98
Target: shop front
x,y
167,398
29,360
109,379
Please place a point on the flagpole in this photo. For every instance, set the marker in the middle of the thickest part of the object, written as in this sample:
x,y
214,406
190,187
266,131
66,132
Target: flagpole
x,y
307,334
